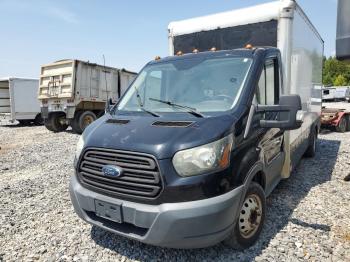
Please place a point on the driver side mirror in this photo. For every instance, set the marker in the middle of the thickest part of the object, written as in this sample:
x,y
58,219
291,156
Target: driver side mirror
x,y
283,115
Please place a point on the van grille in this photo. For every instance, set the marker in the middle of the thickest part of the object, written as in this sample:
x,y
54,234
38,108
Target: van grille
x,y
140,177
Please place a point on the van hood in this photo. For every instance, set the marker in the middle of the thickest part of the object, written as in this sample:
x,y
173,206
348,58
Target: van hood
x,y
160,136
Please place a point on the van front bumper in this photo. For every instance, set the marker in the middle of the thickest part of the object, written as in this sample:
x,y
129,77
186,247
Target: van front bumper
x,y
192,224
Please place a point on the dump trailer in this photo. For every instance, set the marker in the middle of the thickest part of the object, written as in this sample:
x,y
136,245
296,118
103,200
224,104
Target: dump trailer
x,y
74,93
18,101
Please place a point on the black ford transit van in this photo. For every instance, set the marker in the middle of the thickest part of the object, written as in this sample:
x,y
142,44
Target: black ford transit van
x,y
188,155
190,152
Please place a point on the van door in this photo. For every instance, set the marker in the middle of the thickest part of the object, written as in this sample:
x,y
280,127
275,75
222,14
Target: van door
x,y
272,139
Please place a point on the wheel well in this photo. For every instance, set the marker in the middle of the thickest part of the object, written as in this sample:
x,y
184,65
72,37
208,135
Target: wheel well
x,y
260,179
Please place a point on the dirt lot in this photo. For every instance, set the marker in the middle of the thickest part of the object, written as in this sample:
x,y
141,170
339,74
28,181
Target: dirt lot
x,y
308,216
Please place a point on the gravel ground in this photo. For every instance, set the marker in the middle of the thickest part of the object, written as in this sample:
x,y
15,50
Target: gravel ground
x,y
308,216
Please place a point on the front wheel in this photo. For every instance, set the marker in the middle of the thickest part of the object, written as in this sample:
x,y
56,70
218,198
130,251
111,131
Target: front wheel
x,y
311,150
250,220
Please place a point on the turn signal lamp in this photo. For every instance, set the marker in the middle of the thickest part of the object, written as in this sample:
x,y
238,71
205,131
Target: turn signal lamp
x,y
225,159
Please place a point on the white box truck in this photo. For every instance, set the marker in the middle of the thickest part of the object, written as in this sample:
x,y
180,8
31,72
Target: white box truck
x,y
74,92
281,24
18,101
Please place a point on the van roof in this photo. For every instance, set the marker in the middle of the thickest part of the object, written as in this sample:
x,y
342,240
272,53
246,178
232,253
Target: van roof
x,y
240,52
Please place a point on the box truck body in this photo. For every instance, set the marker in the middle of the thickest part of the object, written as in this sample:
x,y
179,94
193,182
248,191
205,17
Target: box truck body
x,y
281,24
18,100
68,88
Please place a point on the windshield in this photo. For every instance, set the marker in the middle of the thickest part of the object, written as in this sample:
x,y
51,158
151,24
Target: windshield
x,y
195,85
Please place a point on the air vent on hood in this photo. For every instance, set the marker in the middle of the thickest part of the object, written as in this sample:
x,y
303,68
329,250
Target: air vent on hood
x,y
118,121
172,123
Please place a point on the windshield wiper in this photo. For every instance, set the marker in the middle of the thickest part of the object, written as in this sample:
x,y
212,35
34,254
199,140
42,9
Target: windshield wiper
x,y
141,105
149,112
190,110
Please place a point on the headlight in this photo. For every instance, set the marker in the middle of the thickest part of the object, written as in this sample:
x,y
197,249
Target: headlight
x,y
204,159
80,146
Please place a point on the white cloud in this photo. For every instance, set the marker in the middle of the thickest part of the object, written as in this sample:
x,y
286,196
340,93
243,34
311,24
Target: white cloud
x,y
63,14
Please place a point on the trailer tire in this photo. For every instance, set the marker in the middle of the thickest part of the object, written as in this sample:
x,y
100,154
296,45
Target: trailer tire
x,y
342,125
311,149
245,233
348,122
48,124
81,120
38,120
53,122
74,123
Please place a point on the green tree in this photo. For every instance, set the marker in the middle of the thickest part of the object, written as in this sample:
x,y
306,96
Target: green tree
x,y
335,72
327,79
340,80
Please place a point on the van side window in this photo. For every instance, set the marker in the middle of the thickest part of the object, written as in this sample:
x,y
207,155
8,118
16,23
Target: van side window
x,y
270,82
261,91
268,86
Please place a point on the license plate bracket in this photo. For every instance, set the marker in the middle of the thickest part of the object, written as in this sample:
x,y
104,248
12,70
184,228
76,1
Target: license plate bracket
x,y
108,211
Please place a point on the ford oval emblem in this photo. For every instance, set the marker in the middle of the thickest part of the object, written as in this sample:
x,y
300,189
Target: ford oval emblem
x,y
112,171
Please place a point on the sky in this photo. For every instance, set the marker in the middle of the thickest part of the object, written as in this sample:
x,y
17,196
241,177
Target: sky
x,y
129,33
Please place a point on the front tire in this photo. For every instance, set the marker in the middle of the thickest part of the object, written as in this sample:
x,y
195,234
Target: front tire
x,y
250,220
311,150
74,123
